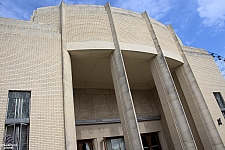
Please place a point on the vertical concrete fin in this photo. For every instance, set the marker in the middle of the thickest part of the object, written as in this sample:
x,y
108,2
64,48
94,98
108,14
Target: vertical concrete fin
x,y
69,116
172,107
112,26
185,75
123,94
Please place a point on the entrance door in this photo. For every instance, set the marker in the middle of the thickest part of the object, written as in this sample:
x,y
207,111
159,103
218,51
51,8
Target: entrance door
x,y
150,141
84,145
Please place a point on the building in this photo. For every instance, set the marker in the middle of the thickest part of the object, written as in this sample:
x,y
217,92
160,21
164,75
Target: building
x,y
98,77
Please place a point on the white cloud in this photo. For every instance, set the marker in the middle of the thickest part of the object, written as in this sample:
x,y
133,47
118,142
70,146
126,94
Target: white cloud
x,y
156,9
167,23
10,10
212,12
23,9
190,42
199,32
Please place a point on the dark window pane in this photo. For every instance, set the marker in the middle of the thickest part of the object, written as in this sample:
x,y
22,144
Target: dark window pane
x,y
25,147
25,108
10,95
19,94
18,105
9,137
154,142
115,144
11,108
17,135
17,108
24,137
145,143
219,99
122,146
27,95
223,112
83,146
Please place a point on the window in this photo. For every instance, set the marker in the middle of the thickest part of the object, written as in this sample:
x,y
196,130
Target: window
x,y
151,141
85,145
17,120
220,102
115,143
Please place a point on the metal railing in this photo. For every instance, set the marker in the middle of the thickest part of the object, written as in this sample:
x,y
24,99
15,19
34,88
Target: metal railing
x,y
220,61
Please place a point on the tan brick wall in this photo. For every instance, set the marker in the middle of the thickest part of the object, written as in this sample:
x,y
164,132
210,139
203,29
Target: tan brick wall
x,y
47,15
101,104
27,27
131,27
209,80
31,60
164,37
87,23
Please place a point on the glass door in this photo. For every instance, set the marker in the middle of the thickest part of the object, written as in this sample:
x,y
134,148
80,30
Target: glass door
x,y
150,141
84,145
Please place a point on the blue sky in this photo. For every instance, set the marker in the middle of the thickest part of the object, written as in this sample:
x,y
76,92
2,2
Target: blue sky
x,y
198,23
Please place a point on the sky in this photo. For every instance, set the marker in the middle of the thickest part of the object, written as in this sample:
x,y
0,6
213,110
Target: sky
x,y
198,23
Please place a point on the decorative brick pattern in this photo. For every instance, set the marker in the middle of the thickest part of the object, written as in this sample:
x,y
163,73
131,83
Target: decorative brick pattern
x,y
104,106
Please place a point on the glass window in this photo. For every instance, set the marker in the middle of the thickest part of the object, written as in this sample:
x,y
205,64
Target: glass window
x,y
11,108
220,102
25,109
16,136
23,137
150,141
85,144
16,133
18,105
115,143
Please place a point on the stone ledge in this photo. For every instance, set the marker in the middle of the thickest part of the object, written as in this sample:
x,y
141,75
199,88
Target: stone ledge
x,y
115,120
27,25
193,49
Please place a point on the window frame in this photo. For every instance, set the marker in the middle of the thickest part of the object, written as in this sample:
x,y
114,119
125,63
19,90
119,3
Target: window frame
x,y
220,102
20,119
107,140
18,122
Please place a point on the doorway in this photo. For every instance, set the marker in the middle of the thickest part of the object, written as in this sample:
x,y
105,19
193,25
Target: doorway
x,y
150,141
84,145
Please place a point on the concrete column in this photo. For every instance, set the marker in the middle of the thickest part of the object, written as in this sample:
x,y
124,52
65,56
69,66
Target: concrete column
x,y
95,144
162,141
123,94
202,118
69,116
171,104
